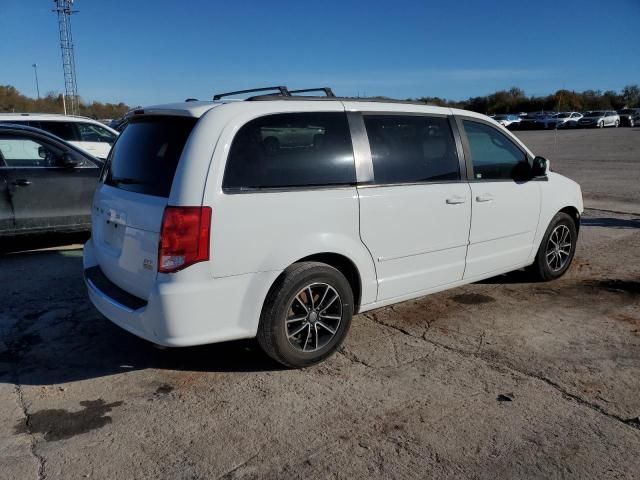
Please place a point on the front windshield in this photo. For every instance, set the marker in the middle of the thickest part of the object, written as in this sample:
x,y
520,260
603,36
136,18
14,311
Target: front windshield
x,y
594,114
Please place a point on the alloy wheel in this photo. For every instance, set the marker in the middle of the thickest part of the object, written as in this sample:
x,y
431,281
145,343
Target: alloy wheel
x,y
558,248
313,317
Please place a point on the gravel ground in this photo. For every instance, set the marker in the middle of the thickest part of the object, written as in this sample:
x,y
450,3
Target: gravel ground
x,y
500,379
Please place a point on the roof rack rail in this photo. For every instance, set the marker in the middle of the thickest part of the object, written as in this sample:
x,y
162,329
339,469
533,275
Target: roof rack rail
x,y
281,90
327,91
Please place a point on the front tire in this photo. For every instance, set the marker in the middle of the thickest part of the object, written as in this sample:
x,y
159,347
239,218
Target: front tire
x,y
601,124
306,315
557,248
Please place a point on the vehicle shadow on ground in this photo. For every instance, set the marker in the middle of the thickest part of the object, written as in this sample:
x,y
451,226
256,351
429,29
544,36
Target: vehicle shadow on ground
x,y
50,333
34,242
610,222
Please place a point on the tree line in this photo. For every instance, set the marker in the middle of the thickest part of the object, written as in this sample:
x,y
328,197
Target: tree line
x,y
515,100
11,100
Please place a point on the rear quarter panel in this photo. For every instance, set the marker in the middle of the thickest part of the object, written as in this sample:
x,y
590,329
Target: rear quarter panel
x,y
270,230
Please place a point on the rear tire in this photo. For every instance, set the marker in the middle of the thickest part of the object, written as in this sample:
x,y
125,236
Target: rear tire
x,y
557,248
306,315
601,124
617,124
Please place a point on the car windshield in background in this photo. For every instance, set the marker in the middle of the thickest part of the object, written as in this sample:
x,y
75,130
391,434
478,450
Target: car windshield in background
x,y
562,115
501,117
145,156
594,114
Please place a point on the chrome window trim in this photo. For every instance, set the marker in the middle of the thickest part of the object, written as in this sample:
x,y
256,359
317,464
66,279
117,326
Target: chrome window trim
x,y
243,191
412,184
361,148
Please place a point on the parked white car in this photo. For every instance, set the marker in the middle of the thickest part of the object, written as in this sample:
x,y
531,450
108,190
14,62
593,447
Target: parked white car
x,y
510,121
89,135
280,217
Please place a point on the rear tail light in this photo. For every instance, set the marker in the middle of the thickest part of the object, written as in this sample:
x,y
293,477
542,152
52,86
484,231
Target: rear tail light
x,y
184,237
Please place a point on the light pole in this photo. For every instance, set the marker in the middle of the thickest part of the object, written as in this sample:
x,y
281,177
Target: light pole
x,y
35,69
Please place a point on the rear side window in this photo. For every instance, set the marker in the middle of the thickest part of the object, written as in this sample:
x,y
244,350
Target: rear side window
x,y
411,149
291,150
145,157
65,130
494,156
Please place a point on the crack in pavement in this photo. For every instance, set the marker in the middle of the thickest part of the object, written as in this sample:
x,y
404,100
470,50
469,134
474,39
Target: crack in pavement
x,y
230,473
23,407
500,367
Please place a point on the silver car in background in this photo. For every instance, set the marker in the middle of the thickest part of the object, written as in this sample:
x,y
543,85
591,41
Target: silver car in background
x,y
600,119
563,120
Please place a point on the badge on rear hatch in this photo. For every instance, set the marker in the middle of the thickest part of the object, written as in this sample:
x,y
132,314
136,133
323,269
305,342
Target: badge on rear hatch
x,y
147,264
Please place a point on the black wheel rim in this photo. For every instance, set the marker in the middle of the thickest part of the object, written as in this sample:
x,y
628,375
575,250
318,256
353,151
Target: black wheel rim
x,y
313,317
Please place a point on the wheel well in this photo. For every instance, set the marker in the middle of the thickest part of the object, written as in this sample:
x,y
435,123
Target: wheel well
x,y
573,213
346,267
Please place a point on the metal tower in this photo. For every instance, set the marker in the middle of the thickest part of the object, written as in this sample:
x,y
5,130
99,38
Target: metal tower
x,y
64,11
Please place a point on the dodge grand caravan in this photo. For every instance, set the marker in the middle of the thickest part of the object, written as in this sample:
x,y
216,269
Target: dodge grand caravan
x,y
281,216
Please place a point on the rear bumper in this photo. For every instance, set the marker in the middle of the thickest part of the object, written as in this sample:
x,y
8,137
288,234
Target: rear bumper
x,y
185,313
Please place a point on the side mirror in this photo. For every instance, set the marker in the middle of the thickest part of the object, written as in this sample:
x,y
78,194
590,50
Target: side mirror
x,y
539,167
69,161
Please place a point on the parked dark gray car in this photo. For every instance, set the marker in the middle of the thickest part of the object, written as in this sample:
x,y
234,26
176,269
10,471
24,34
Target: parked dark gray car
x,y
46,184
629,117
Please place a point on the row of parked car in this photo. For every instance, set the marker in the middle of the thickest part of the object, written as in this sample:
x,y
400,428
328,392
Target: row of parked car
x,y
627,117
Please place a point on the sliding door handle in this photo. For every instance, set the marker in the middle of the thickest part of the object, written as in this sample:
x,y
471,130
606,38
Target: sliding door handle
x,y
484,198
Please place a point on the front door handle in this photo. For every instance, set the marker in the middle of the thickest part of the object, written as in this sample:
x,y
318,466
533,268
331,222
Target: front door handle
x,y
21,182
455,200
484,198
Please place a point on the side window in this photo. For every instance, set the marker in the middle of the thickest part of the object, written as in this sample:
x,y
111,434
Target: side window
x,y
411,149
291,150
19,152
494,156
65,130
95,133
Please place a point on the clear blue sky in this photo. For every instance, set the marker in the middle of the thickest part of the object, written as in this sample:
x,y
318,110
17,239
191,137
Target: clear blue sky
x,y
153,51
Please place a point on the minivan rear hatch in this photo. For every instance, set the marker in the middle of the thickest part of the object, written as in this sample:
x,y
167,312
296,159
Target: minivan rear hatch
x,y
129,203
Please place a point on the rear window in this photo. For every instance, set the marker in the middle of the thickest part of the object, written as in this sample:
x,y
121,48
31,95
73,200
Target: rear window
x,y
291,150
145,156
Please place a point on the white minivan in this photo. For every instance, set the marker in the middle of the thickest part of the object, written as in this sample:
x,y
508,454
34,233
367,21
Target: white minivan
x,y
281,216
89,135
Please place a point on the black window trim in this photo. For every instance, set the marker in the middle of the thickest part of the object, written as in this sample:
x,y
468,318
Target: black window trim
x,y
467,149
292,188
456,136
